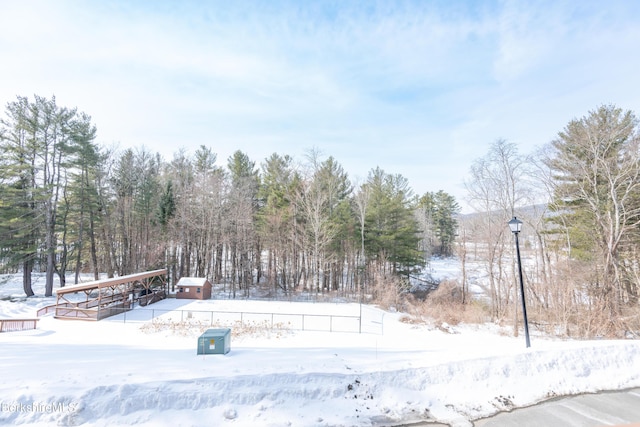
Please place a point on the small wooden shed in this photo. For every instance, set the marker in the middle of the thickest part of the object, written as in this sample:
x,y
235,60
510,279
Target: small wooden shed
x,y
193,288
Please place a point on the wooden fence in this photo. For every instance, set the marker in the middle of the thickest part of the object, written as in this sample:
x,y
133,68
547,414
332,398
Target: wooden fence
x,y
11,325
46,310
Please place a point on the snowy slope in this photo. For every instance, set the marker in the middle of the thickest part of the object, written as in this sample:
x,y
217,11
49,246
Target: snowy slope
x,y
73,373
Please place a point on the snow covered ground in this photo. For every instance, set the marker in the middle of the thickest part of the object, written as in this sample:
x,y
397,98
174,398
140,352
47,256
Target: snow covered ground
x,y
112,372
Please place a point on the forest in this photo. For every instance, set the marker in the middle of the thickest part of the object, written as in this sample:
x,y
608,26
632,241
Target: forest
x,y
70,206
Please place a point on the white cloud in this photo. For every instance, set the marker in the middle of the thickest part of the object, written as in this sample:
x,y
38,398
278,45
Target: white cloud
x,y
372,84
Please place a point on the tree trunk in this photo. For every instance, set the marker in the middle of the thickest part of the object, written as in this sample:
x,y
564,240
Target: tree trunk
x,y
27,268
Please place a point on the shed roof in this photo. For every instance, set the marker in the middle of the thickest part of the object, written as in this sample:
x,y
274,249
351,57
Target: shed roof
x,y
104,283
193,281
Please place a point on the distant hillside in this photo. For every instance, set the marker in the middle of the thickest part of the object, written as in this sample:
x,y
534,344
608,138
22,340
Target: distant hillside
x,y
532,211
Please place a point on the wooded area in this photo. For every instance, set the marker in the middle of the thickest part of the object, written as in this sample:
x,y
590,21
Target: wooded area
x,y
70,205
580,198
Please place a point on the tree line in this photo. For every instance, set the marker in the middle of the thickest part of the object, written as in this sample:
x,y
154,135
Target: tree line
x,y
579,196
70,205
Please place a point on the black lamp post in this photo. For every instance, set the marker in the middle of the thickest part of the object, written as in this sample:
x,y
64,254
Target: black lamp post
x,y
516,225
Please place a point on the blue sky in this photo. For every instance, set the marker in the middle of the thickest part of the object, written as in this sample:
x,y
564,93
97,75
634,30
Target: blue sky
x,y
417,88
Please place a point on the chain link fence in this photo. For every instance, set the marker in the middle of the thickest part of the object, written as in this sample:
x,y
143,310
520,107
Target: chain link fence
x,y
367,320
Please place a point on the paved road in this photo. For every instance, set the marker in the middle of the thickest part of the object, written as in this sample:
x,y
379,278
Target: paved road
x,y
619,408
589,410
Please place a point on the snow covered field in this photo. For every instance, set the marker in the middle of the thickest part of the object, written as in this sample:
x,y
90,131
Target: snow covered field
x,y
111,372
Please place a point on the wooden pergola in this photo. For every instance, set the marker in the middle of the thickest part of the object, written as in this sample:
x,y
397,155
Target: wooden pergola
x,y
109,297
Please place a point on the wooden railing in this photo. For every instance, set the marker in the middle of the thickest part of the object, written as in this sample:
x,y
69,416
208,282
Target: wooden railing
x,y
152,297
70,312
11,325
46,310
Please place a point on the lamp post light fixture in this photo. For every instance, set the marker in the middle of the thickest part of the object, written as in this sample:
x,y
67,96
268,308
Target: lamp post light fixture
x,y
516,225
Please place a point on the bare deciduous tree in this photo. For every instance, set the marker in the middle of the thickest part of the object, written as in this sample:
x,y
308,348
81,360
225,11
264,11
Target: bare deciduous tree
x,y
496,188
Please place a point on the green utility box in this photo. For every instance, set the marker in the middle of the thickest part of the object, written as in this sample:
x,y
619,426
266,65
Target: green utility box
x,y
215,341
